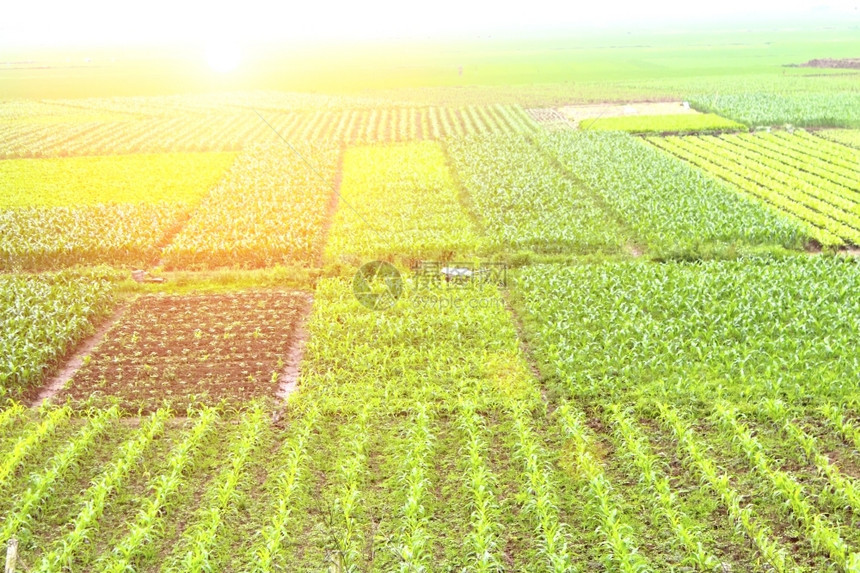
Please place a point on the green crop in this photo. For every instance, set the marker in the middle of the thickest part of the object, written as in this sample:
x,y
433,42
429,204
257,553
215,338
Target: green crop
x,y
41,318
665,202
399,201
698,122
524,201
269,209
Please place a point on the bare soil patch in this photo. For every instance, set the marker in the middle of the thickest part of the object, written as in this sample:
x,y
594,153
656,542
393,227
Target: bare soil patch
x,y
842,64
550,118
182,350
579,113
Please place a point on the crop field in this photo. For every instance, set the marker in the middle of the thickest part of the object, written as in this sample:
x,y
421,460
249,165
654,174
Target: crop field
x,y
168,129
552,305
815,181
179,351
42,318
399,199
173,177
527,202
666,203
698,122
850,137
268,209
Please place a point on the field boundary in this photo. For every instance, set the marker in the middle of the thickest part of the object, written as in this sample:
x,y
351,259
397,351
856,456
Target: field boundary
x,y
72,364
288,381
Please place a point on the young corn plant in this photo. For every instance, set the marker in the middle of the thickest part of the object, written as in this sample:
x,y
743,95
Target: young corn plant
x,y
9,416
200,537
836,416
665,502
841,485
347,554
542,498
30,442
623,555
822,536
96,497
164,486
697,459
480,483
412,546
41,484
268,550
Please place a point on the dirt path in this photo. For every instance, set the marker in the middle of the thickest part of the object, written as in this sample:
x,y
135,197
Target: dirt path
x,y
289,379
58,380
331,209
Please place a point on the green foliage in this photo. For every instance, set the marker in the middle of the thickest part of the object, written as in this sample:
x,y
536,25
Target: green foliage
x,y
74,181
733,328
56,237
524,201
849,137
269,209
821,192
682,122
41,318
399,202
664,201
805,109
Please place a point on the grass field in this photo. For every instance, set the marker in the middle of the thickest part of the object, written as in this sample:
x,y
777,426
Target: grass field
x,y
620,344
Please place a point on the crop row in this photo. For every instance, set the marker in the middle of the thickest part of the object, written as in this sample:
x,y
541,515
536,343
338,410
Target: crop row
x,y
524,201
269,209
829,207
697,122
77,181
849,137
807,107
398,200
743,328
233,132
40,321
665,202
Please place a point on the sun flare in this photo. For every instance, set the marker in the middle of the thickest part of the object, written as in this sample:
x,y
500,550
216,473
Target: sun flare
x,y
223,57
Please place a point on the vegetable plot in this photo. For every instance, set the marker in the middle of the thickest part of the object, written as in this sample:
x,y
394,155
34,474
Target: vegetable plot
x,y
667,203
740,329
809,179
524,201
183,350
268,210
171,177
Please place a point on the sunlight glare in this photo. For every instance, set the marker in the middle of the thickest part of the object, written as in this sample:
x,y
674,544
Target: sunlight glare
x,y
223,57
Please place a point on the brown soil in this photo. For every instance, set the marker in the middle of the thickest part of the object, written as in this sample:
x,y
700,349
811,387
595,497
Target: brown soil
x,y
193,349
289,380
580,113
550,118
845,63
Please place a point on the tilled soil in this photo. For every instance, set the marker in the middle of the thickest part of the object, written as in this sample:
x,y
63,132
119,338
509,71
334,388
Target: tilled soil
x,y
191,349
844,63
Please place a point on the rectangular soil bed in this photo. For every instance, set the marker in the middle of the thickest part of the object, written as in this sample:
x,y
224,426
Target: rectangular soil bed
x,y
187,350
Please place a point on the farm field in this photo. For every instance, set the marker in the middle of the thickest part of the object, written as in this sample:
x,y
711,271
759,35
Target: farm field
x,y
489,306
813,180
399,199
699,122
